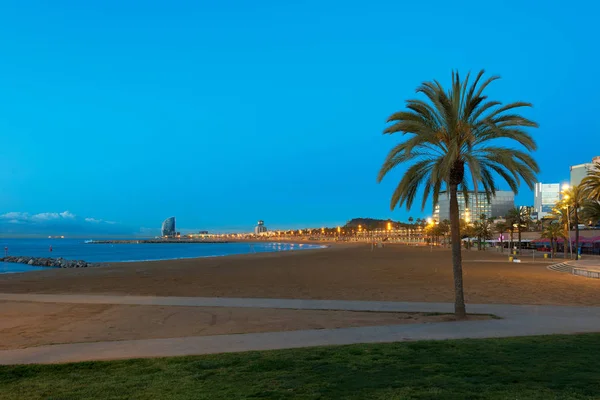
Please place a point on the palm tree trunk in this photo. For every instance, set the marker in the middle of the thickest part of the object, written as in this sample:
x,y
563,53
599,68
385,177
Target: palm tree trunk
x,y
459,298
552,246
567,235
576,233
501,242
519,231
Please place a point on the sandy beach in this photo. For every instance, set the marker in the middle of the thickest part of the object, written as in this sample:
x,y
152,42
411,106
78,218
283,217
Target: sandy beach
x,y
24,324
343,271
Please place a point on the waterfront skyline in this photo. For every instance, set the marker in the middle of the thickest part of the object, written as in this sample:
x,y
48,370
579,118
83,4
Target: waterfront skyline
x,y
129,113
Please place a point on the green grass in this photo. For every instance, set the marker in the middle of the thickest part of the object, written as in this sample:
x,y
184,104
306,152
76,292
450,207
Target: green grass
x,y
546,367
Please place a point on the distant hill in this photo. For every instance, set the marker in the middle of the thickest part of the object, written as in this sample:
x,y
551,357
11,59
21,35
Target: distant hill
x,y
373,223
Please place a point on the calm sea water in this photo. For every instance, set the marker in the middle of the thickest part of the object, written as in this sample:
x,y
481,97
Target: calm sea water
x,y
77,249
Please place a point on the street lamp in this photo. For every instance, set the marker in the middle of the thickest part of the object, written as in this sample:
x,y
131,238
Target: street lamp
x,y
565,187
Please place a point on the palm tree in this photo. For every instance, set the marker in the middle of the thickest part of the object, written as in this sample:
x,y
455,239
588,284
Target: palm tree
x,y
574,197
501,227
483,230
519,218
444,229
560,211
591,183
451,144
511,229
591,212
553,231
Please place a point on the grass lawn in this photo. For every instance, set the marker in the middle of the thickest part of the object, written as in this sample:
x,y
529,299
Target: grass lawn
x,y
546,367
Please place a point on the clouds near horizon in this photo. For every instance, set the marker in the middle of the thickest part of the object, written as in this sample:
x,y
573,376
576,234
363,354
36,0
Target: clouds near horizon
x,y
59,223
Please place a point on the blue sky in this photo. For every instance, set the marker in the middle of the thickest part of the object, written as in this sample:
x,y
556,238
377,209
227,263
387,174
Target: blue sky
x,y
223,113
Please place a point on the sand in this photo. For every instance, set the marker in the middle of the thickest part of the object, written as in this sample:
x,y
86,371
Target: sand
x,y
346,271
24,324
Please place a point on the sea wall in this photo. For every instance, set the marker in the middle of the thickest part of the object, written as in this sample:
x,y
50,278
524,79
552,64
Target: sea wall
x,y
47,262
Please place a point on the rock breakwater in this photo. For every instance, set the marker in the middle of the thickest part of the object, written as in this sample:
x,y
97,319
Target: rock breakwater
x,y
47,262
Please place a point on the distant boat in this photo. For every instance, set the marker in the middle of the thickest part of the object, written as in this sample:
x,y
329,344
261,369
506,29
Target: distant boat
x,y
88,241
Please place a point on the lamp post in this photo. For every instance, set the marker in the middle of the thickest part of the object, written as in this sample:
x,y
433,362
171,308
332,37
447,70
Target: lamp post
x,y
430,223
565,187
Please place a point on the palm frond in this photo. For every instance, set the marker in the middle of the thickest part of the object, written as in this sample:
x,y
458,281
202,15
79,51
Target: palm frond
x,y
452,135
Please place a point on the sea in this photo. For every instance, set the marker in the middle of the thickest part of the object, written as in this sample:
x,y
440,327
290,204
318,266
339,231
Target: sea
x,y
79,249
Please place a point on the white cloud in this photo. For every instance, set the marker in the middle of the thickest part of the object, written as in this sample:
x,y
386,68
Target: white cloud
x,y
14,221
40,217
98,221
44,216
67,214
14,215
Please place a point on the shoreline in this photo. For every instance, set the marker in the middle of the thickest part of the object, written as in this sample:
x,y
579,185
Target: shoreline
x,y
79,263
157,241
218,256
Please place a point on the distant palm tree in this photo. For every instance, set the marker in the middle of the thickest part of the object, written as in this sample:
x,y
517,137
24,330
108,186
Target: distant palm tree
x,y
553,231
453,143
501,227
483,231
444,228
574,197
591,183
591,212
560,211
519,218
467,231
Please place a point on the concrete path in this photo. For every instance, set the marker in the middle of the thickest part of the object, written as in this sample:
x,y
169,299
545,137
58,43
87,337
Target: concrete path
x,y
517,320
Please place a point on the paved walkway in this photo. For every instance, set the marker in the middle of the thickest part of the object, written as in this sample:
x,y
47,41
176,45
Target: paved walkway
x,y
517,320
589,264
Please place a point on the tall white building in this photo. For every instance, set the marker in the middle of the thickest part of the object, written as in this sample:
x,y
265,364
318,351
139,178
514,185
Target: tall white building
x,y
546,195
260,228
476,206
578,172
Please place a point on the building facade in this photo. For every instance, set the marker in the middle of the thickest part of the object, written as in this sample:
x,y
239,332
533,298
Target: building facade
x,y
546,195
578,172
476,206
260,228
168,227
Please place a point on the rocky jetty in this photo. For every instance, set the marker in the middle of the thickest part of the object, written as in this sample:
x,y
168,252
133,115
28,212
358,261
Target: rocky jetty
x,y
47,262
